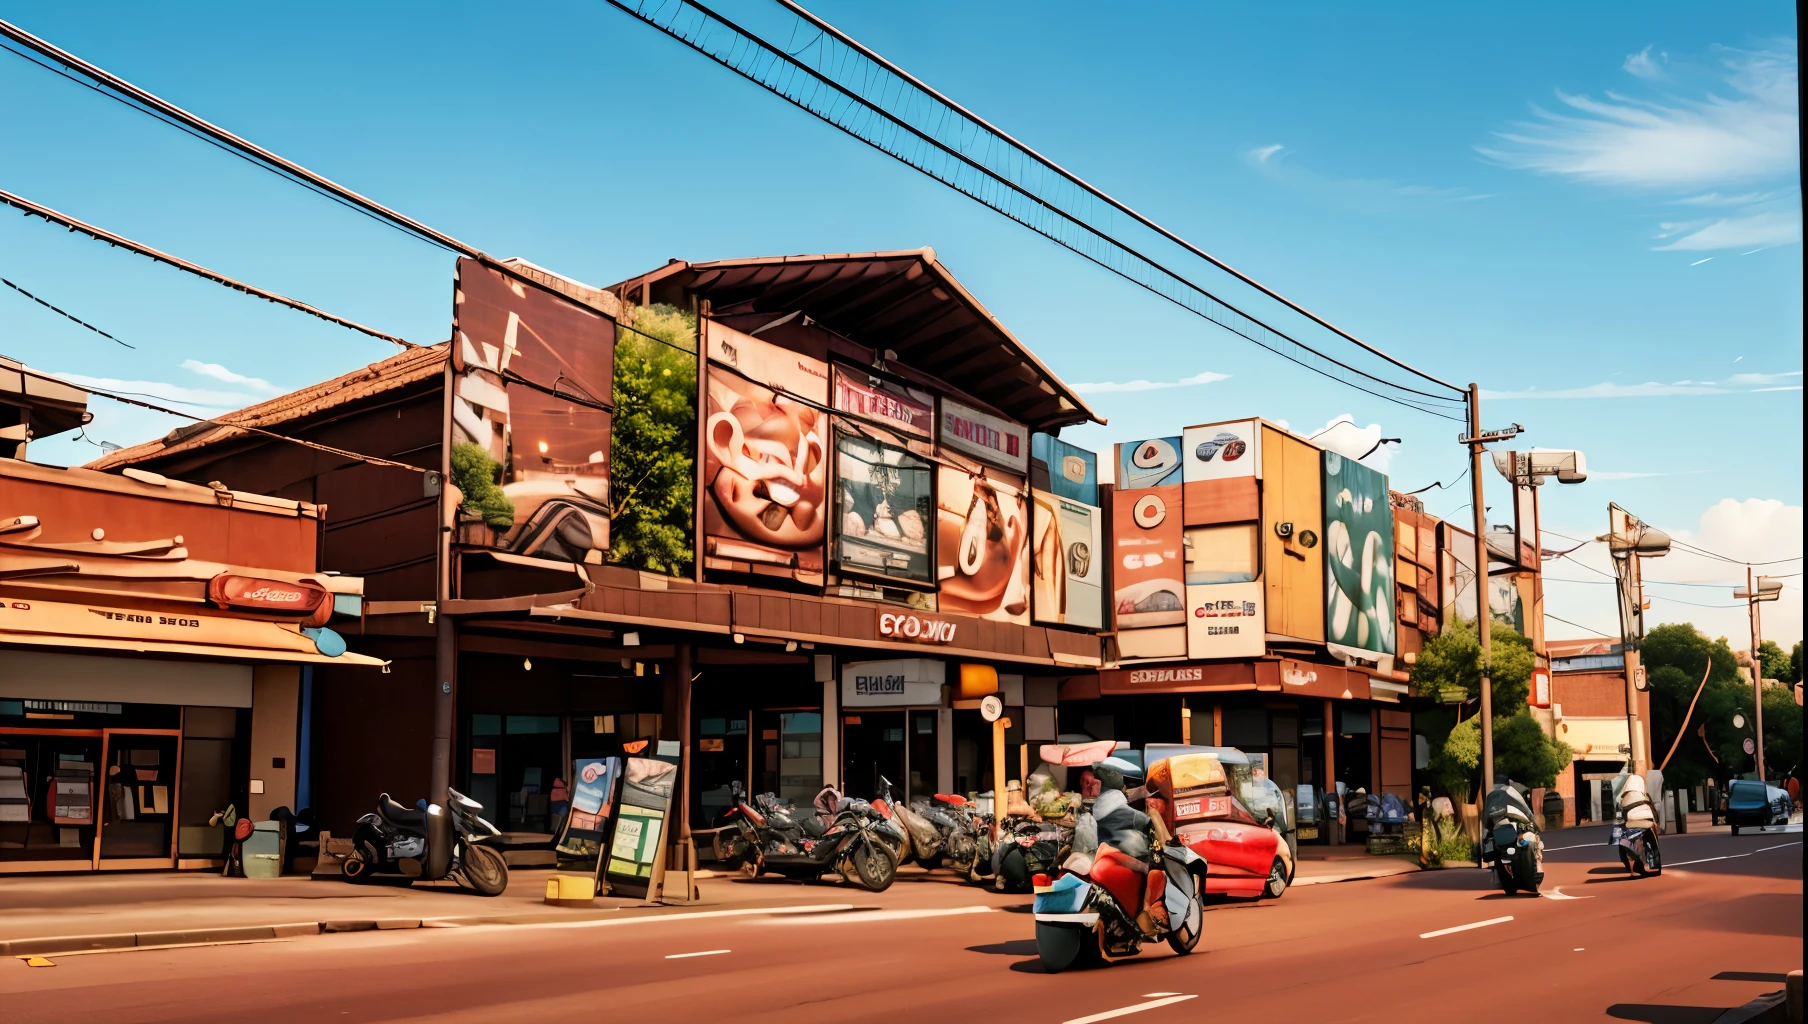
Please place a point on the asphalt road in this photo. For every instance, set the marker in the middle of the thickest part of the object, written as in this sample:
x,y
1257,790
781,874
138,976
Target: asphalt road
x,y
1719,927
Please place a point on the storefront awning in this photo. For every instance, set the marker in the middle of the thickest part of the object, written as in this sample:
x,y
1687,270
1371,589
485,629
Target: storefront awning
x,y
203,634
110,646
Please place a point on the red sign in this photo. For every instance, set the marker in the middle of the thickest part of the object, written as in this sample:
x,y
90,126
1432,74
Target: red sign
x,y
252,594
894,405
985,436
1540,694
916,628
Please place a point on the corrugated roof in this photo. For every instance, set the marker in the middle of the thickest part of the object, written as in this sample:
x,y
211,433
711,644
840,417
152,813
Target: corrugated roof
x,y
397,371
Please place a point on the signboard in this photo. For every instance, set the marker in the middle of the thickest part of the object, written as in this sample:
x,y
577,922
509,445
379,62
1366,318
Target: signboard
x,y
1073,473
1225,620
922,629
1223,451
884,501
905,682
984,436
1359,556
1067,570
580,842
902,408
982,549
1307,679
249,593
646,796
535,379
1540,694
765,456
1147,535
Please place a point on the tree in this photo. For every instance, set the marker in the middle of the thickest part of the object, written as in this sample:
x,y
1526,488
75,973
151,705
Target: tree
x,y
475,475
653,442
1451,662
1522,752
1795,663
1675,656
1776,663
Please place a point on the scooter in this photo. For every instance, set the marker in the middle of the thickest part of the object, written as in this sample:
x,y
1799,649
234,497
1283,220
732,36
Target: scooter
x,y
918,836
429,845
851,846
1635,835
1510,839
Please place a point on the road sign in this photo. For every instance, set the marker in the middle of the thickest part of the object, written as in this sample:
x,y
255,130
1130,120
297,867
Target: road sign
x,y
1749,745
1738,721
991,707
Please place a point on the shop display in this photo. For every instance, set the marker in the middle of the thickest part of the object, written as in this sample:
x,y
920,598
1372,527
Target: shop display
x,y
982,545
884,500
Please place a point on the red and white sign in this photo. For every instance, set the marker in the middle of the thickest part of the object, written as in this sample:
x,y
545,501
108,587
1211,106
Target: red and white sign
x,y
916,628
252,594
1540,694
985,436
893,405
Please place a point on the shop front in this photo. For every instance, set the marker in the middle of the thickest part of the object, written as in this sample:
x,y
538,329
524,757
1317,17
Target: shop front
x,y
896,723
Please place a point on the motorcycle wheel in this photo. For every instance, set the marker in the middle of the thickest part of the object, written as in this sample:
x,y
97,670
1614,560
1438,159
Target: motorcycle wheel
x,y
1525,870
1064,946
1626,859
723,847
1504,878
1277,880
1654,857
357,868
874,867
1186,935
485,870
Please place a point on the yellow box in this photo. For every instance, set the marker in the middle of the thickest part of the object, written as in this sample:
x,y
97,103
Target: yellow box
x,y
570,890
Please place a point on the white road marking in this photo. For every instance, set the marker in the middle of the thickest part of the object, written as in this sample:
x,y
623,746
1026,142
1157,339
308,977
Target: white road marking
x,y
1578,949
707,952
1124,1011
1556,893
1158,995
813,908
1767,849
859,916
1705,860
1465,927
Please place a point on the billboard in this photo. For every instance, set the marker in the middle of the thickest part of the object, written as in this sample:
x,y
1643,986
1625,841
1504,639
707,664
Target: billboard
x,y
1359,556
884,501
884,402
1225,620
986,437
1147,542
535,376
1067,571
982,549
765,456
1073,473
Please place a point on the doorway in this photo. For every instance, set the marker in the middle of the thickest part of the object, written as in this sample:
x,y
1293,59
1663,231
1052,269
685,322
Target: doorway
x,y
137,812
874,747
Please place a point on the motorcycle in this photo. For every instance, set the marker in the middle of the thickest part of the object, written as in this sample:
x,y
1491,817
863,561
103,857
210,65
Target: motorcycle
x,y
853,844
429,845
1028,848
1108,903
1511,840
1635,835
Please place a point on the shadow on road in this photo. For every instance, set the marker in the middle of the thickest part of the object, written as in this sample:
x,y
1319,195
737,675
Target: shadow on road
x,y
1015,947
1656,1013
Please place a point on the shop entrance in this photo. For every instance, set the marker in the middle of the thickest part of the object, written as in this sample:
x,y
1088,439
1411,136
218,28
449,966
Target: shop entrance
x,y
900,745
101,798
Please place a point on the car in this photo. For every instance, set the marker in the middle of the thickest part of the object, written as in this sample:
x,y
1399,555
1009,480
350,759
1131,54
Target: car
x,y
1753,804
1232,814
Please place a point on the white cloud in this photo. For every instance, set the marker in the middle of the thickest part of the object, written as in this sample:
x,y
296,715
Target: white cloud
x,y
1261,154
1769,227
221,373
202,400
1275,163
1599,475
1653,389
1640,64
1115,387
1716,199
1762,378
1344,437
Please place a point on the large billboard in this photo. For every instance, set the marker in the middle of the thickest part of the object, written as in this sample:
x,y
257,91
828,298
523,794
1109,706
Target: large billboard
x,y
884,512
982,547
1147,542
535,375
1359,556
984,436
884,402
1066,564
765,457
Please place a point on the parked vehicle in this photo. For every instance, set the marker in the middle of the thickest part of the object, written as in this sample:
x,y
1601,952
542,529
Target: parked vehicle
x,y
1511,841
1028,848
969,833
854,844
915,836
431,844
1753,804
1236,819
1141,885
1635,833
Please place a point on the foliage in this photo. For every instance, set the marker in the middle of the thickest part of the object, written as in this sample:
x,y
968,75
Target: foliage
x,y
477,477
1777,665
1795,663
1521,750
653,443
1675,656
1452,660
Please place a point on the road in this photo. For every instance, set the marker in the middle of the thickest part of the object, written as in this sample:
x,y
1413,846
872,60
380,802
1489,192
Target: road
x,y
1719,927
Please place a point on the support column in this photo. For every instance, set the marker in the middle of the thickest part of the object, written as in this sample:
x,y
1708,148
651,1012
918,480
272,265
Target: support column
x,y
445,637
680,687
944,750
831,720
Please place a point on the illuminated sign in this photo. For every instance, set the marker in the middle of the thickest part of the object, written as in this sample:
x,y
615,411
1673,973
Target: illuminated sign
x,y
916,628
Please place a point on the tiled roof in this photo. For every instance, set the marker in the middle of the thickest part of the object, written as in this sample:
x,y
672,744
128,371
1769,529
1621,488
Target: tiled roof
x,y
397,371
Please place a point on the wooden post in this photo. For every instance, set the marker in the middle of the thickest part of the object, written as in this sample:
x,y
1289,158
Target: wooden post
x,y
999,800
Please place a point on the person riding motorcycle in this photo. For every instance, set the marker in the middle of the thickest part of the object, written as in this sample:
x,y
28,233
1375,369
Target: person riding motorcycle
x,y
1125,830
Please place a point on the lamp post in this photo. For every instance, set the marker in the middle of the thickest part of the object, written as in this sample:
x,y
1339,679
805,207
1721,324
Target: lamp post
x,y
1762,589
1628,540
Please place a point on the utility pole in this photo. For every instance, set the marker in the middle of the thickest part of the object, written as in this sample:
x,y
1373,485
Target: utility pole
x,y
1483,621
1629,540
1763,588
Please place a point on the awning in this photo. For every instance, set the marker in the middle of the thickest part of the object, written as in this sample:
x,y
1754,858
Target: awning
x,y
115,646
180,630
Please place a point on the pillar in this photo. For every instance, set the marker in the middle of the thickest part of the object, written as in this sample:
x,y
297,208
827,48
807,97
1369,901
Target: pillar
x,y
831,720
944,750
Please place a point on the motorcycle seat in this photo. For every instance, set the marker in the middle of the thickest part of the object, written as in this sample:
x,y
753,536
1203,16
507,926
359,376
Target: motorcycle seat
x,y
951,799
397,814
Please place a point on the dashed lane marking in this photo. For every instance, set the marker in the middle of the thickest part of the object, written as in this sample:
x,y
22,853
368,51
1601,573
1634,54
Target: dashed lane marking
x,y
860,916
1465,927
1124,1011
705,952
1556,893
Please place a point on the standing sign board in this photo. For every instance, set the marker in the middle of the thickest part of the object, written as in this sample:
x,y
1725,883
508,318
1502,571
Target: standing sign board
x,y
646,799
592,805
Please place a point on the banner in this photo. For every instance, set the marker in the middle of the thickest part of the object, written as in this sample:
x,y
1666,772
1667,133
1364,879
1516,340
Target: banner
x,y
982,547
1225,620
646,798
1359,556
535,379
765,465
884,497
592,805
902,408
1146,535
1067,566
984,436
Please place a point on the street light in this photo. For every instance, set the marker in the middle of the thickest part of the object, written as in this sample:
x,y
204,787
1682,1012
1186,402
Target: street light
x,y
1762,589
1629,540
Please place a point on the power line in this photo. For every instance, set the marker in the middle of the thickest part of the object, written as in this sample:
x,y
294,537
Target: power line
x,y
65,314
1692,549
32,209
1578,625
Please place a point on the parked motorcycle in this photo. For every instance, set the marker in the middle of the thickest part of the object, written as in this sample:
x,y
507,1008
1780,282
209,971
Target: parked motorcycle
x,y
1140,886
1028,848
429,845
853,844
917,837
1635,835
1511,841
969,837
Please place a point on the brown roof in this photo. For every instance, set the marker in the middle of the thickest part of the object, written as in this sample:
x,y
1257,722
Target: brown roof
x,y
397,371
1582,645
903,300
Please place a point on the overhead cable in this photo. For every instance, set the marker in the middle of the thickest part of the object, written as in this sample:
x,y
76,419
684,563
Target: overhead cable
x,y
65,314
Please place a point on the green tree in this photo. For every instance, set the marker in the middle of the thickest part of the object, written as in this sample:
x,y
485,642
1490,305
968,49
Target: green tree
x,y
1776,663
653,442
1452,662
1522,752
1675,656
475,475
1795,663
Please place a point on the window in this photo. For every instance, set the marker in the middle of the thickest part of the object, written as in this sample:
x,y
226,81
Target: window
x,y
1221,554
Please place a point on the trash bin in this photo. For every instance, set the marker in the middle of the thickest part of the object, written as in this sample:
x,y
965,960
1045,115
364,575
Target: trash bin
x,y
1553,809
263,850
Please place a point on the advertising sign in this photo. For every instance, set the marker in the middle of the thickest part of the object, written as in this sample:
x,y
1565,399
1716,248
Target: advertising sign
x,y
1359,556
922,629
982,546
905,682
902,408
592,805
535,378
1073,473
884,498
640,826
1147,535
1223,451
765,448
250,593
986,437
1225,620
1066,564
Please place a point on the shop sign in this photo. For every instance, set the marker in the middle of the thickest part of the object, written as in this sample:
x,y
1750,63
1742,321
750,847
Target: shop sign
x,y
56,618
1222,451
1147,539
1225,620
1073,472
905,682
1164,676
250,593
985,436
1305,679
1180,678
893,405
916,628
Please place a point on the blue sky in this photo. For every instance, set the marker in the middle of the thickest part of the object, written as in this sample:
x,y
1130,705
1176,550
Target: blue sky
x,y
1593,212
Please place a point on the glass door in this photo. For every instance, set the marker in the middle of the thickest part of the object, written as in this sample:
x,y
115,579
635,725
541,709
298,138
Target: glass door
x,y
137,794
48,805
874,741
922,753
